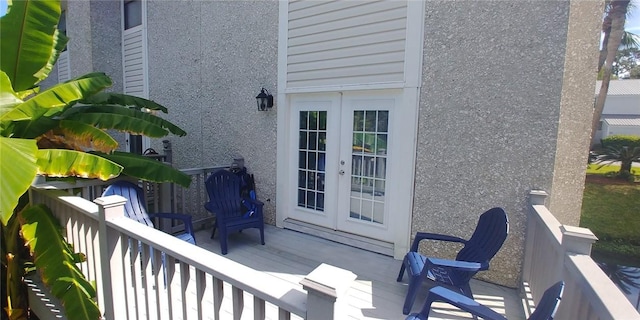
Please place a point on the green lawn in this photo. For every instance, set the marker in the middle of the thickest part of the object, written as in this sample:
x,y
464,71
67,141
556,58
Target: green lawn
x,y
612,212
593,169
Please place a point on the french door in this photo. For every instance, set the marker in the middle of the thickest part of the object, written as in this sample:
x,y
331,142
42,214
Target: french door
x,y
341,157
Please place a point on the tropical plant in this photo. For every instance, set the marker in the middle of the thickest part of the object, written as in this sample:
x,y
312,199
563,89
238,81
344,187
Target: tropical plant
x,y
613,36
58,132
626,155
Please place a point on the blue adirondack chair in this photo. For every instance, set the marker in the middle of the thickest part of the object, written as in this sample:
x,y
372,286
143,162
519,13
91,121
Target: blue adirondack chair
x,y
136,208
488,237
545,310
233,213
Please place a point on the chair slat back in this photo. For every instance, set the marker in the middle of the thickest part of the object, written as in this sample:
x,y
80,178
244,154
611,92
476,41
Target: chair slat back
x,y
223,188
487,239
135,207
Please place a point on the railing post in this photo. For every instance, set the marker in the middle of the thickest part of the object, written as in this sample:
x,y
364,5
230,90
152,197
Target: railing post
x,y
536,197
577,239
325,285
111,207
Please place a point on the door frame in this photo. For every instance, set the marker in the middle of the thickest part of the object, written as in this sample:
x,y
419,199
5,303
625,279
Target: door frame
x,y
399,166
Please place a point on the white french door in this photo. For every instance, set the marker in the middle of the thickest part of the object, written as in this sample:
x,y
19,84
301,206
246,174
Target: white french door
x,y
340,162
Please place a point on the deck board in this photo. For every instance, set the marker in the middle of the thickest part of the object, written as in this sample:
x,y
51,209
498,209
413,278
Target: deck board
x,y
291,255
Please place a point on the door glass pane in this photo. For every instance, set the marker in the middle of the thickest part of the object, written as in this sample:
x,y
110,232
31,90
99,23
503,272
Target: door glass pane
x,y
135,144
311,159
132,14
368,165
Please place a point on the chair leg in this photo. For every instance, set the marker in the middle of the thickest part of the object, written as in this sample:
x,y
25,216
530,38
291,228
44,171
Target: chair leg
x,y
223,241
262,235
402,267
414,285
466,290
215,226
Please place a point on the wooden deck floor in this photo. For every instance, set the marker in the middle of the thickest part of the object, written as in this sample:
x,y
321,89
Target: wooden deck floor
x,y
375,294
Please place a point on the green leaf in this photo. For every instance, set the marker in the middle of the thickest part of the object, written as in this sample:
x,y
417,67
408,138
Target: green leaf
x,y
27,33
125,119
17,170
59,42
54,258
54,100
87,136
121,122
123,100
63,163
148,169
8,98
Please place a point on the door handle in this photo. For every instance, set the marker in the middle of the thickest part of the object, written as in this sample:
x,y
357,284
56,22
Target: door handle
x,y
341,172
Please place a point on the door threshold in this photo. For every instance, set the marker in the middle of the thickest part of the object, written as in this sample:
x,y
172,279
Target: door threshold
x,y
349,239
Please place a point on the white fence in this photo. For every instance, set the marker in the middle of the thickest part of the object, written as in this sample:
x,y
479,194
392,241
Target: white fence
x,y
556,252
144,273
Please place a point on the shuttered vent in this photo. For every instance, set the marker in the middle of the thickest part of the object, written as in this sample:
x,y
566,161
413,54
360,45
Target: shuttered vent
x,y
64,70
133,60
345,42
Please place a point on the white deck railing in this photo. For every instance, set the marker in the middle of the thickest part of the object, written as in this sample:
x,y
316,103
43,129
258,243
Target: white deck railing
x,y
144,273
160,197
556,252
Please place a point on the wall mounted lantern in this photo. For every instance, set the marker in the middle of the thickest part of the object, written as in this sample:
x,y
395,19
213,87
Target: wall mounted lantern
x,y
264,100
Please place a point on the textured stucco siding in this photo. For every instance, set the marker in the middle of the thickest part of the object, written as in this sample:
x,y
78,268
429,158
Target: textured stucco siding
x,y
106,49
576,111
488,123
207,62
81,40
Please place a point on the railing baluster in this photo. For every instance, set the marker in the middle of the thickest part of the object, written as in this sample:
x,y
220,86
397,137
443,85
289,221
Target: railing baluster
x,y
147,279
201,286
238,302
185,276
284,314
218,295
258,309
172,281
159,281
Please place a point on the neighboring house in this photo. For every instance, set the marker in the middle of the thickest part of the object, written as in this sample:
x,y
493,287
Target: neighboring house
x,y
390,117
621,114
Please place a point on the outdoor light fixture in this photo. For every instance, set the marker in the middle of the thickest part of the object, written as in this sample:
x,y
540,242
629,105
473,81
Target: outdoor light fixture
x,y
264,100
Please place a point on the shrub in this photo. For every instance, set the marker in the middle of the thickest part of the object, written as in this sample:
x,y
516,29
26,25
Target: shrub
x,y
618,141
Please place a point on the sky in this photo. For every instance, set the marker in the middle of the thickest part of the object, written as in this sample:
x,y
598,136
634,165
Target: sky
x,y
632,24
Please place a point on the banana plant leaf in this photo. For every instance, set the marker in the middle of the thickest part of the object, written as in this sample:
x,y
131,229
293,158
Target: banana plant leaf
x,y
117,117
8,98
59,42
54,100
122,123
83,136
55,259
17,169
64,163
123,100
141,167
27,38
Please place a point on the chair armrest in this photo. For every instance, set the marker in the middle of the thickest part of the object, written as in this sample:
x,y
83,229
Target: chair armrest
x,y
253,202
433,236
253,206
185,218
460,301
453,264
